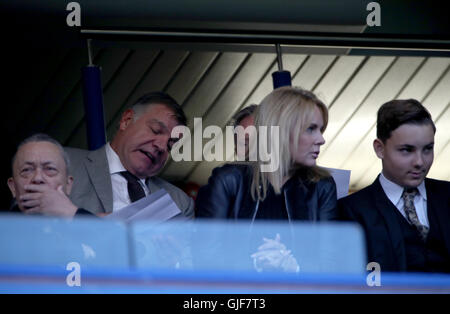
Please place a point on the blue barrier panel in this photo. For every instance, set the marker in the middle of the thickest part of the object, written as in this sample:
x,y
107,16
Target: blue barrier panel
x,y
26,279
192,257
90,242
239,246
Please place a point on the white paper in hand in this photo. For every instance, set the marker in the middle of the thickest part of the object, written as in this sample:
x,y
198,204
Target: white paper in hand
x,y
342,179
157,207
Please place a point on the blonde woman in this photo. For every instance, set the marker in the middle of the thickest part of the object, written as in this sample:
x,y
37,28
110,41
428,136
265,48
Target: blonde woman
x,y
297,189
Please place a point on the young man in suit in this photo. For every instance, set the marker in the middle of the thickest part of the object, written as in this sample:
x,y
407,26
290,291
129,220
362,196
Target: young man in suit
x,y
405,216
125,169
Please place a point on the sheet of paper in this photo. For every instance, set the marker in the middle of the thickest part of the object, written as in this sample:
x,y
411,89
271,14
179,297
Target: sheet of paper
x,y
157,206
342,179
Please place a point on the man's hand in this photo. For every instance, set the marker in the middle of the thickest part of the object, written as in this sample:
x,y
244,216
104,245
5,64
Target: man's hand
x,y
41,199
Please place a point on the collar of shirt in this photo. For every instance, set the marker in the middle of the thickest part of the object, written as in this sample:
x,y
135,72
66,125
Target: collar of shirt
x,y
115,165
120,195
394,191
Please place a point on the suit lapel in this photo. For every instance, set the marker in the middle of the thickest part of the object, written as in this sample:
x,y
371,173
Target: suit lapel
x,y
437,201
97,167
387,211
152,186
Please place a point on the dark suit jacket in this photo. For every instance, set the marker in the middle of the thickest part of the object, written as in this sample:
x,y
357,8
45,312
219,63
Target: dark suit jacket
x,y
375,212
227,195
92,188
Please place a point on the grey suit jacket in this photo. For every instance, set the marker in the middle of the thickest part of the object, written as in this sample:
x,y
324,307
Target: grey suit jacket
x,y
92,188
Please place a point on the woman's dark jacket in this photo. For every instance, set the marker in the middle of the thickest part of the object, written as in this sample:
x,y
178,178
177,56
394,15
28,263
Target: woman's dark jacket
x,y
228,195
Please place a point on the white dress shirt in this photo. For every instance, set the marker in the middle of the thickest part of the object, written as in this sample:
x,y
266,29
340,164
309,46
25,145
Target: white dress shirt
x,y
394,193
118,182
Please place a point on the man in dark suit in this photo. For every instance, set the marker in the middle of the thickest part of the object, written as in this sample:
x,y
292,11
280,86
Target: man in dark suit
x,y
405,216
125,169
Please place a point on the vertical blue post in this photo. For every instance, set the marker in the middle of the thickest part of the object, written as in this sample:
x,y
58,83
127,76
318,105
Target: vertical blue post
x,y
93,106
280,77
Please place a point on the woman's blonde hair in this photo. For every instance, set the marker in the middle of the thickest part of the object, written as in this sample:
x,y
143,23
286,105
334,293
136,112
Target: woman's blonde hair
x,y
292,110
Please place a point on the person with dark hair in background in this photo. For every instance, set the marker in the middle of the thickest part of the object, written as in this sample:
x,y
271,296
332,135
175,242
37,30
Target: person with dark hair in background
x,y
205,200
244,118
125,169
405,216
297,189
41,181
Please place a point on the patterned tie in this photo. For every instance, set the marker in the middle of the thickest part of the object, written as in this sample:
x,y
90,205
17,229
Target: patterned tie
x,y
411,215
135,190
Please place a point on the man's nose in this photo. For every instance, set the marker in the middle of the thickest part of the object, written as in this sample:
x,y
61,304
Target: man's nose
x,y
161,143
38,177
418,160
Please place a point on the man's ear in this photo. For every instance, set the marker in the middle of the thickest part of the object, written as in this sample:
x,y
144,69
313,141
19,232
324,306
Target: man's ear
x,y
12,186
127,119
378,146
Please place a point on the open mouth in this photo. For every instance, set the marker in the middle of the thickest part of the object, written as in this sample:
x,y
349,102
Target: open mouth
x,y
149,156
